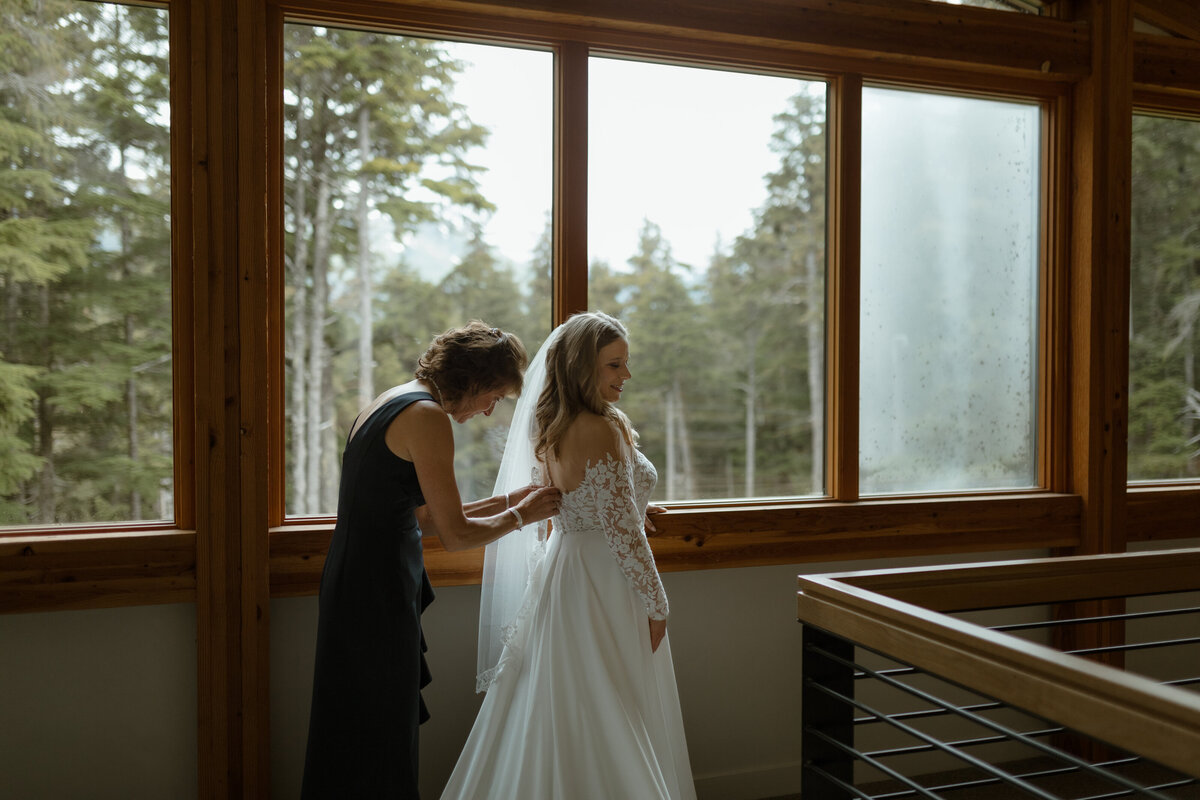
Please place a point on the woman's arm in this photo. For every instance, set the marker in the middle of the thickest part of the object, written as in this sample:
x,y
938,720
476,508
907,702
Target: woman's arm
x,y
487,507
601,447
424,433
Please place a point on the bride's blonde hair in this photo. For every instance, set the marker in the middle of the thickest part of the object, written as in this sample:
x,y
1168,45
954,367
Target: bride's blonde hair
x,y
571,386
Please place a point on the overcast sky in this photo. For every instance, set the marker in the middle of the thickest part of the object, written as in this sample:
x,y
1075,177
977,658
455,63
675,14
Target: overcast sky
x,y
686,148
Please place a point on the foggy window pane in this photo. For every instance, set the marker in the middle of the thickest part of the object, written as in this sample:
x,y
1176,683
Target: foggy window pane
x,y
416,198
706,237
86,398
949,293
1164,404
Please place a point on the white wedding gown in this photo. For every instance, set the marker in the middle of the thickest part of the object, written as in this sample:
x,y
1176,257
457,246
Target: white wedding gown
x,y
580,706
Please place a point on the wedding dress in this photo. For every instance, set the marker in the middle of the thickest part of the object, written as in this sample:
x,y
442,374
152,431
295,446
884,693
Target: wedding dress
x,y
579,706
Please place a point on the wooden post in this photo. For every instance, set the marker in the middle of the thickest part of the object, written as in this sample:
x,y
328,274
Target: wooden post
x,y
218,66
1100,252
1101,137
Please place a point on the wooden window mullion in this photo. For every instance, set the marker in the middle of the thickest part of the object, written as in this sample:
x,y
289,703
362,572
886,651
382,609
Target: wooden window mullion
x,y
844,135
570,180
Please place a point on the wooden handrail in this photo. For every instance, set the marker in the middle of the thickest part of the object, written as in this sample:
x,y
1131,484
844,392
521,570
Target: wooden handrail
x,y
1161,723
964,587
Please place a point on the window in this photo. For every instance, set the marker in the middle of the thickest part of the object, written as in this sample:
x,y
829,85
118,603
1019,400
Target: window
x,y
706,236
1025,6
1164,389
85,272
949,323
417,196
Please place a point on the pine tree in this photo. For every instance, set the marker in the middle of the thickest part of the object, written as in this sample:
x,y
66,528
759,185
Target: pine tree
x,y
84,255
371,132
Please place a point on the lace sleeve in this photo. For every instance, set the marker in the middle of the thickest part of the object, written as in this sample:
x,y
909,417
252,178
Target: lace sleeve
x,y
625,531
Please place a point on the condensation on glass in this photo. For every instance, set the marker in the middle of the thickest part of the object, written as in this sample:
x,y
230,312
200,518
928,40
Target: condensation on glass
x,y
1164,391
706,236
949,280
417,197
85,265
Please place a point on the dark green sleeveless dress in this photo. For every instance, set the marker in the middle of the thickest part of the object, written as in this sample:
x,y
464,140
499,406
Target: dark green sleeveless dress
x,y
370,663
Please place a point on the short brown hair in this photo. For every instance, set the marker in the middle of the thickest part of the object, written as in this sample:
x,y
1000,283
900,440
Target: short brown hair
x,y
473,359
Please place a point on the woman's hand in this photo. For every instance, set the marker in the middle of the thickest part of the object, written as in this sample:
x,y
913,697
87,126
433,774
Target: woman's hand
x,y
652,509
541,502
658,629
517,495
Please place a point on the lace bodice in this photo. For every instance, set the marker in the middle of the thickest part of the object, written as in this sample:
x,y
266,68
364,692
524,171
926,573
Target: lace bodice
x,y
611,501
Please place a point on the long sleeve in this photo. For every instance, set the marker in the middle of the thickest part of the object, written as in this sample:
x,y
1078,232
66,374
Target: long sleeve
x,y
624,528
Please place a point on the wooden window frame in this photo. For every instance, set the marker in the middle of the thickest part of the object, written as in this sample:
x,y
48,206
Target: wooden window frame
x,y
846,44
229,551
703,535
1164,510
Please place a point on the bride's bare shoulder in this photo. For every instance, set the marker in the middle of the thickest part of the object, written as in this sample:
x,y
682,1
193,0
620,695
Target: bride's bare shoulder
x,y
590,436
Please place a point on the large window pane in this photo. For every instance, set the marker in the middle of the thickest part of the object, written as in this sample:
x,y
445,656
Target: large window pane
x,y
949,293
706,236
417,197
1164,391
85,273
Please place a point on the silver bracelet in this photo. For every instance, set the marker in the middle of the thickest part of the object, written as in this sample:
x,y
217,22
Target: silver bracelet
x,y
507,503
517,514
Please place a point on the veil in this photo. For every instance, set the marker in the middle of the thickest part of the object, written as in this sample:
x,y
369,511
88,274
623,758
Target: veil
x,y
510,561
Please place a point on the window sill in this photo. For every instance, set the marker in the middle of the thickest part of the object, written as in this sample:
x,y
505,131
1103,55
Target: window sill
x,y
44,570
96,569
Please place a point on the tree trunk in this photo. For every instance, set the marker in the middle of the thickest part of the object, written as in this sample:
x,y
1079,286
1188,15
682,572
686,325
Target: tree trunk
x,y
687,473
751,417
669,414
1189,379
297,345
366,358
326,500
135,495
816,368
46,501
315,374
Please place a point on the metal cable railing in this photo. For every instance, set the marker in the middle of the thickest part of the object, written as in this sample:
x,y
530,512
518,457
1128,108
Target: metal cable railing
x,y
877,726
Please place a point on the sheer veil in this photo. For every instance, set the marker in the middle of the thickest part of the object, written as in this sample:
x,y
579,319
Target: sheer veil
x,y
510,561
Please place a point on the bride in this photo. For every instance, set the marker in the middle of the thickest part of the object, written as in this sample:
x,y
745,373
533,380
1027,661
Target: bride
x,y
573,653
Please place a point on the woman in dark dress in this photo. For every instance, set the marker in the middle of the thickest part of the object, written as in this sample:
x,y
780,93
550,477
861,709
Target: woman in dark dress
x,y
397,483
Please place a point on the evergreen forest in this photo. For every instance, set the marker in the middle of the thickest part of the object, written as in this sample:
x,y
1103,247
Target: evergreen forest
x,y
728,356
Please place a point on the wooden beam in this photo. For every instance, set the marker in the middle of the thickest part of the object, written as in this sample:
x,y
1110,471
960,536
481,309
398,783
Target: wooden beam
x,y
877,31
1101,158
1168,64
219,62
1102,134
1179,17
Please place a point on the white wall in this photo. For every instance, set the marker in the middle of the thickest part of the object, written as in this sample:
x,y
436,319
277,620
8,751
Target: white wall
x,y
730,629
102,704
98,704
734,639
